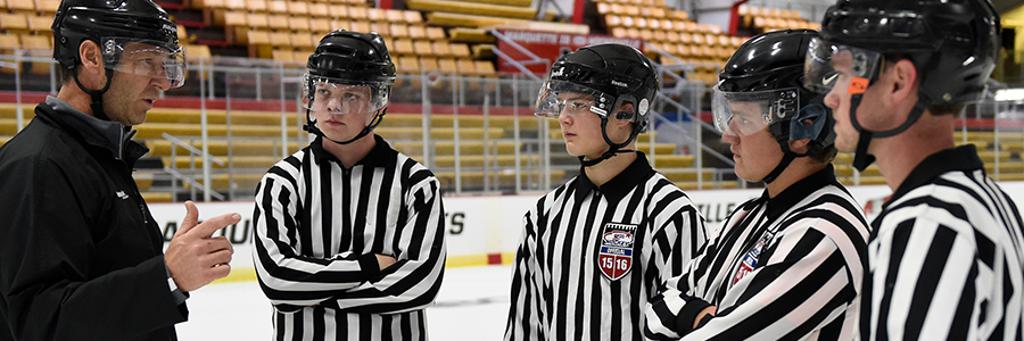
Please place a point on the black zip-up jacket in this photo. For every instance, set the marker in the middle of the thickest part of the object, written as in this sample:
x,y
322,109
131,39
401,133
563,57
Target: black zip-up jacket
x,y
80,255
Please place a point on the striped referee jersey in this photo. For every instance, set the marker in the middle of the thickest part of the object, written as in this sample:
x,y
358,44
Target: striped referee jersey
x,y
590,256
318,228
946,257
781,268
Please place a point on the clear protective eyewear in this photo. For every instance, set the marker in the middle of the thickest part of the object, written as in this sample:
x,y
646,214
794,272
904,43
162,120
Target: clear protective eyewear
x,y
557,96
146,58
846,68
336,97
746,113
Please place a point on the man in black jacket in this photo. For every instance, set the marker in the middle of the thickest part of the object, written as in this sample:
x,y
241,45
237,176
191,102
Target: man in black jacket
x,y
80,254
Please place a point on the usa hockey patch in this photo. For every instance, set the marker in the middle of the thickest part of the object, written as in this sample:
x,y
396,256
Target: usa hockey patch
x,y
615,256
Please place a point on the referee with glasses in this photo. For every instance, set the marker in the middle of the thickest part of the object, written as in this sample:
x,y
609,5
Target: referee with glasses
x,y
787,265
946,254
595,249
349,233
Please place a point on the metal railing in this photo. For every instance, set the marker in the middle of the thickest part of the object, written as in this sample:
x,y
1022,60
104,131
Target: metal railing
x,y
476,133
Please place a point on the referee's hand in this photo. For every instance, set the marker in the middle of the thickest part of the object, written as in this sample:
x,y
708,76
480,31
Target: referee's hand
x,y
193,258
385,261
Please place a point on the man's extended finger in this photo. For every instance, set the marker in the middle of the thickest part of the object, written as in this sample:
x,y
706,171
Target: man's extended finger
x,y
191,218
209,226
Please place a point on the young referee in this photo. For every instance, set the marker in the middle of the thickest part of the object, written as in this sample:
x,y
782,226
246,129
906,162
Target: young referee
x,y
349,233
786,265
946,257
595,249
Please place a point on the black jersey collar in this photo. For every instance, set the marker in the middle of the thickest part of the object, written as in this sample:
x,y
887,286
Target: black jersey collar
x,y
962,158
106,135
382,155
636,173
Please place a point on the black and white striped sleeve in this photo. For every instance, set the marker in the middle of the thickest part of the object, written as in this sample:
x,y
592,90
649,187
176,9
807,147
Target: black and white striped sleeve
x,y
526,311
923,279
805,281
413,281
679,232
289,279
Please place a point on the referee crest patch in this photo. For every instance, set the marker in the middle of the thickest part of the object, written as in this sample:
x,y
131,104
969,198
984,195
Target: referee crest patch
x,y
615,256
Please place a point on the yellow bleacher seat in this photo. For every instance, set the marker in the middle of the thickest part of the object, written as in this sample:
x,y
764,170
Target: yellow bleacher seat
x,y
619,32
660,36
278,22
235,5
358,13
13,21
301,56
35,42
447,65
628,22
613,20
341,24
22,5
394,16
235,19
399,31
417,32
381,28
197,52
412,17
338,11
284,56
9,42
40,23
319,10
408,65
428,64
376,15
320,26
48,7
257,21
258,37
632,10
466,67
360,26
441,48
659,12
403,47
303,40
470,35
256,5
182,35
298,8
298,23
679,15
641,23
280,39
485,68
277,7
422,47
460,50
207,4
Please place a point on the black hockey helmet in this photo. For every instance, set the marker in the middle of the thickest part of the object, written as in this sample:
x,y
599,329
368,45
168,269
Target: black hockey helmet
x,y
952,43
761,88
613,74
113,25
345,58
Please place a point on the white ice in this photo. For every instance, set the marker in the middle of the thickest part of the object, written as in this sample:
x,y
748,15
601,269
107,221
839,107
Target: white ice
x,y
472,305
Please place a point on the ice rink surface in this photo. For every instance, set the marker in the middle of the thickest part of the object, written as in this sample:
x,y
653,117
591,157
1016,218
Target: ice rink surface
x,y
472,305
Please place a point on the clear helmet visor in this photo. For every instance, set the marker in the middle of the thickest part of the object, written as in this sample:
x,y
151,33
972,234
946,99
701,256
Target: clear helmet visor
x,y
146,58
747,113
334,96
556,96
845,68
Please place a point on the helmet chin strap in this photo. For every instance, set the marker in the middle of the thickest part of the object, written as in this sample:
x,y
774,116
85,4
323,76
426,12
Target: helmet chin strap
x,y
613,148
311,127
96,96
861,158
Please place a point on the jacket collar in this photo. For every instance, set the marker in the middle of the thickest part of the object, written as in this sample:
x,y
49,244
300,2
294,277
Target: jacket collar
x,y
796,192
109,136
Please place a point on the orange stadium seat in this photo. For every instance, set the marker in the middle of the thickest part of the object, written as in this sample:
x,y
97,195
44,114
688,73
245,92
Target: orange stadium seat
x,y
277,7
422,47
13,22
441,48
298,23
338,11
319,10
412,17
399,31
